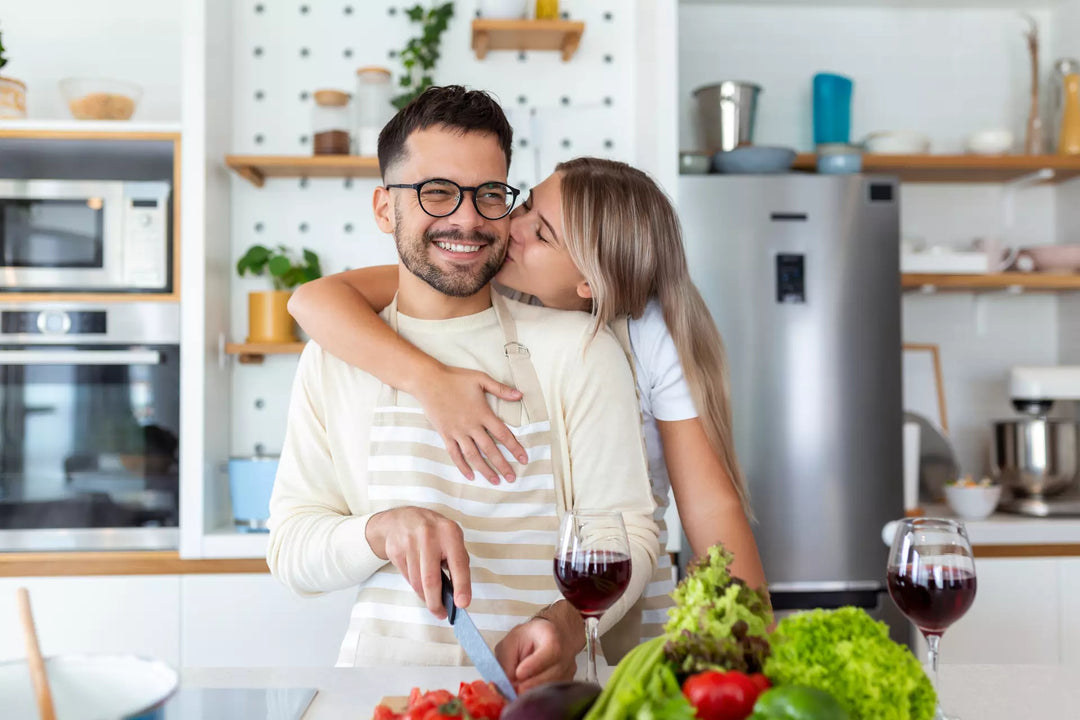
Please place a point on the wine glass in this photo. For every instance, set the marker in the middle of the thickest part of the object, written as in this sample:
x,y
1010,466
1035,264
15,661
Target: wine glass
x,y
592,569
931,576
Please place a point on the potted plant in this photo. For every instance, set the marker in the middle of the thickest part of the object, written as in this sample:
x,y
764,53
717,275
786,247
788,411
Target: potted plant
x,y
12,92
421,53
268,314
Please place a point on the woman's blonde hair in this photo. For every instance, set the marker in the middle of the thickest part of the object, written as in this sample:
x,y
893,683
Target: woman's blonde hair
x,y
623,234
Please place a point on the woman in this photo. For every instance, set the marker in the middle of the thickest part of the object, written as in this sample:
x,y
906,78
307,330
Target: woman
x,y
599,236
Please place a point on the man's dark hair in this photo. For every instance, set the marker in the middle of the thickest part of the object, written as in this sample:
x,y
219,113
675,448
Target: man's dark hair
x,y
452,106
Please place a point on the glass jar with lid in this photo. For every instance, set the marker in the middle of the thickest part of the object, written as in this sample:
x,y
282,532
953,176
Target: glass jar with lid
x,y
330,122
373,107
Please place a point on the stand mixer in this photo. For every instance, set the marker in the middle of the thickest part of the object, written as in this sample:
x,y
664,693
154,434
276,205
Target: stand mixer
x,y
1034,456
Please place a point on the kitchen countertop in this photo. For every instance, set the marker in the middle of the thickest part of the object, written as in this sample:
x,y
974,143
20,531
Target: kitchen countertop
x,y
974,692
1011,529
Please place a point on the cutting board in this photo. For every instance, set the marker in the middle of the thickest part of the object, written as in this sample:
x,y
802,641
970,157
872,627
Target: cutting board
x,y
396,703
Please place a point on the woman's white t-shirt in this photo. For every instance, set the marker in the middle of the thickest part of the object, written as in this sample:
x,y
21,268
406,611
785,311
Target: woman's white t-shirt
x,y
665,395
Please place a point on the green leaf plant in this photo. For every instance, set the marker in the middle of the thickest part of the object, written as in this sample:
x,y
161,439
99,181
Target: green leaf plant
x,y
421,53
286,271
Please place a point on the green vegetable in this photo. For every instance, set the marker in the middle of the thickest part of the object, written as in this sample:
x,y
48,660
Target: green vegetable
x,y
793,702
640,663
718,622
654,697
849,655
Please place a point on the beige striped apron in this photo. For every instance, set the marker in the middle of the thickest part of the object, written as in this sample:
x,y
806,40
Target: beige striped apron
x,y
510,529
646,619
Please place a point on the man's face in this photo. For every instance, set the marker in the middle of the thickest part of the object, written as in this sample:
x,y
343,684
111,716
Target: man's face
x,y
460,253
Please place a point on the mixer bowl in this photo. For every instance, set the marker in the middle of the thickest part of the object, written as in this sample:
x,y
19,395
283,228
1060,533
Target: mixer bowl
x,y
1035,457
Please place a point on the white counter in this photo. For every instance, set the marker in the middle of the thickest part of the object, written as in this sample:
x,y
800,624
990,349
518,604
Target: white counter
x,y
973,692
1010,529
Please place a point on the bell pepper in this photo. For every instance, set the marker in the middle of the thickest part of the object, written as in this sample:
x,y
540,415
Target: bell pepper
x,y
793,702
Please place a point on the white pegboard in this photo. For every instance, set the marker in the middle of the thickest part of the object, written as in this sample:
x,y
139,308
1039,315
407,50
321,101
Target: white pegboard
x,y
284,50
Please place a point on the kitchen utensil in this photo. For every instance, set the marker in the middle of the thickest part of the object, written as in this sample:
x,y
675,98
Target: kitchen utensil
x,y
1055,258
937,461
92,687
973,502
726,114
99,98
832,108
989,142
34,661
1056,104
931,576
1033,137
754,160
251,482
1035,456
694,163
896,142
838,159
473,643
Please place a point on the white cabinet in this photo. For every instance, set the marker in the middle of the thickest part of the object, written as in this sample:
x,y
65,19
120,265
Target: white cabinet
x,y
1069,588
122,614
255,621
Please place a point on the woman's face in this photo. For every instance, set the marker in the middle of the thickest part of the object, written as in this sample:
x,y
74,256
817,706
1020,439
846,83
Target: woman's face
x,y
537,262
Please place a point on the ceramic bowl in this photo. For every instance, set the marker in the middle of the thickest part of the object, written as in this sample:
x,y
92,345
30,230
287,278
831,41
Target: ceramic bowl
x,y
694,163
91,687
990,142
1055,258
896,142
100,99
972,502
838,159
503,9
754,160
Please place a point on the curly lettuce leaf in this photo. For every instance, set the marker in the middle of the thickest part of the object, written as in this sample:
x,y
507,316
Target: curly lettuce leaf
x,y
849,655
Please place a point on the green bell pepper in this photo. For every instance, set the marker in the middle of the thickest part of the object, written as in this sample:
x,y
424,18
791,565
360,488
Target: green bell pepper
x,y
793,702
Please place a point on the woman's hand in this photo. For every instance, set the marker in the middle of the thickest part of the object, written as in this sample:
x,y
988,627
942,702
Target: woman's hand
x,y
455,402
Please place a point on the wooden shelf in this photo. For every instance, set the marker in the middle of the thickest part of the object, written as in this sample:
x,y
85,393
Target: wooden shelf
x,y
255,353
961,168
88,130
256,168
1037,282
561,35
7,296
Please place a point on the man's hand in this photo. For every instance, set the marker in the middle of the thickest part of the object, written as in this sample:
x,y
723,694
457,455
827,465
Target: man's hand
x,y
543,649
417,541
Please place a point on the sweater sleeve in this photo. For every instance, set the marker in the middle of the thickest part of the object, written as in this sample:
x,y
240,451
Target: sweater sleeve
x,y
316,544
607,457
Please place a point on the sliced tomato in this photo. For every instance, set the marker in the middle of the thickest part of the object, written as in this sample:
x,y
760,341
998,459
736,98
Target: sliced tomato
x,y
384,713
481,700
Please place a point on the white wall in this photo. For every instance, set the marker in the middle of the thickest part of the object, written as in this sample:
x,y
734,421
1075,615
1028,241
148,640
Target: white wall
x,y
133,40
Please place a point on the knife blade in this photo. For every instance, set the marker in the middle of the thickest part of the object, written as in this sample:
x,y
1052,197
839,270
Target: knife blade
x,y
473,643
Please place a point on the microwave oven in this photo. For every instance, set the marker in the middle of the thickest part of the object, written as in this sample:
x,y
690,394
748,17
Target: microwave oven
x,y
85,236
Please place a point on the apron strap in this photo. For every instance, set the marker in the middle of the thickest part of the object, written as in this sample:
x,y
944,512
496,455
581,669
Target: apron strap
x,y
521,368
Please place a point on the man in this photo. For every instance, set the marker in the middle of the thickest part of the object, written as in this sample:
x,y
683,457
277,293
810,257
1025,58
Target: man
x,y
366,493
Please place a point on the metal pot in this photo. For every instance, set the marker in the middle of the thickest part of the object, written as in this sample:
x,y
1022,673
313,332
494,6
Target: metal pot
x,y
726,112
1035,457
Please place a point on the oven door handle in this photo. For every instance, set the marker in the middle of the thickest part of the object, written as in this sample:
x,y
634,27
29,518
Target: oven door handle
x,y
80,357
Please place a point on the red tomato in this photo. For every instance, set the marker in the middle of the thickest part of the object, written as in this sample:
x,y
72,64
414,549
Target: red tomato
x,y
761,681
721,695
384,713
481,700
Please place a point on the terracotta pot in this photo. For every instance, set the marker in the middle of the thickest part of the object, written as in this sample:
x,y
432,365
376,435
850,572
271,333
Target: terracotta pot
x,y
269,320
12,98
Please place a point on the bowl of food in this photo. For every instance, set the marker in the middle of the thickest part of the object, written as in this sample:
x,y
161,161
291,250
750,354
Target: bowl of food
x,y
92,687
972,500
694,163
100,99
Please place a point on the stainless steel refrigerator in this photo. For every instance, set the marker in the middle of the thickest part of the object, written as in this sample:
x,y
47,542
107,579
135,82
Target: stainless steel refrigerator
x,y
801,274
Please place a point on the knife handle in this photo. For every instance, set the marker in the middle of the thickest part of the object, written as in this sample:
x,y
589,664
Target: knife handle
x,y
448,597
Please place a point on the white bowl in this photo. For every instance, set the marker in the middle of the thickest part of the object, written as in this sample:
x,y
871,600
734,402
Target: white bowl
x,y
503,9
896,142
990,142
90,687
973,503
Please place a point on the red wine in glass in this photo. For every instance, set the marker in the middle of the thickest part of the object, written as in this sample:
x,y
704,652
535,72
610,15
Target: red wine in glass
x,y
592,581
934,598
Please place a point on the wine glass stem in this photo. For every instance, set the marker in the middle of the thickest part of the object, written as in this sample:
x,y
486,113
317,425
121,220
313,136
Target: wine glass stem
x,y
592,638
932,641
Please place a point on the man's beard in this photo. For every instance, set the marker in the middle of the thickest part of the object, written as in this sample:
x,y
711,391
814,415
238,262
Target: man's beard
x,y
456,282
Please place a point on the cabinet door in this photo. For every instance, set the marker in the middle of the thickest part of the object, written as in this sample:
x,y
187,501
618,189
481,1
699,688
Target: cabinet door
x,y
126,615
1015,617
255,621
1069,574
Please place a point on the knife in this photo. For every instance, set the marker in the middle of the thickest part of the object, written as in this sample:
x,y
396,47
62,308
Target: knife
x,y
473,643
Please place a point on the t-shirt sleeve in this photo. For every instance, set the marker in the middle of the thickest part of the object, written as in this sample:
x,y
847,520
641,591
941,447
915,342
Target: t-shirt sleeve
x,y
669,393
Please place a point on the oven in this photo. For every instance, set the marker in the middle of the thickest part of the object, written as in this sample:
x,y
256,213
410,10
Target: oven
x,y
79,235
89,426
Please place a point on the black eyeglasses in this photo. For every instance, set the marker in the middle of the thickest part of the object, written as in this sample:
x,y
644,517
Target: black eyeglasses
x,y
440,197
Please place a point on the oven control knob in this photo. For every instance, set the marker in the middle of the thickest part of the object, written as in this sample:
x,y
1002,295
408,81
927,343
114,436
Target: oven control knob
x,y
145,220
53,322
